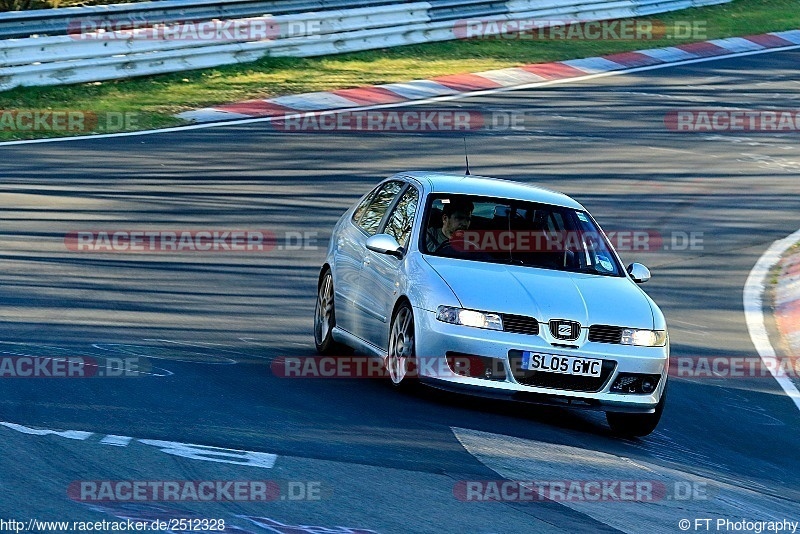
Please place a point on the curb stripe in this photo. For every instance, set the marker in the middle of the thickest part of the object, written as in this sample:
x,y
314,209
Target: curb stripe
x,y
788,317
256,108
737,44
318,101
466,82
593,65
794,268
670,54
787,302
209,115
769,40
704,49
365,96
418,89
792,36
632,59
511,77
753,300
553,71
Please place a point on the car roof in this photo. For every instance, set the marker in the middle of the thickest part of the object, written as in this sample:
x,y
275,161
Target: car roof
x,y
491,187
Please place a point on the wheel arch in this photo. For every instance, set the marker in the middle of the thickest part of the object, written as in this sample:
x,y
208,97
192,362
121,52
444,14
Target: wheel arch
x,y
402,299
325,267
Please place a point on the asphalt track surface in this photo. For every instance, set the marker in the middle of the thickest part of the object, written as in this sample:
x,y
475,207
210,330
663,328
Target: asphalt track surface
x,y
208,326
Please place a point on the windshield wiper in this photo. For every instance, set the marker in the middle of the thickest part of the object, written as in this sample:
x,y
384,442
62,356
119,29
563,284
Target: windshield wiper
x,y
585,270
588,270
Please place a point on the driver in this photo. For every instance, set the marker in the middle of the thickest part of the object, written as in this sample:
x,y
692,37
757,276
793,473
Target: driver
x,y
456,215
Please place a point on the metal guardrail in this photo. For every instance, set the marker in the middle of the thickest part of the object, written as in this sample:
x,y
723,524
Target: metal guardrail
x,y
64,59
19,24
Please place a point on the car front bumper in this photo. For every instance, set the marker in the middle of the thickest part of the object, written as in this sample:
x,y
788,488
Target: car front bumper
x,y
435,339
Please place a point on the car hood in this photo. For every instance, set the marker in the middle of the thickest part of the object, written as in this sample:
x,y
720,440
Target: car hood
x,y
545,294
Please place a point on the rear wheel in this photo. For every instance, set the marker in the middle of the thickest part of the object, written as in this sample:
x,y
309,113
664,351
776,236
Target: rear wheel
x,y
401,361
636,424
325,315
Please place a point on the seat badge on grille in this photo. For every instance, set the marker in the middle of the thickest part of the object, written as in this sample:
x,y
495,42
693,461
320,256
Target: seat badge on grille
x,y
565,329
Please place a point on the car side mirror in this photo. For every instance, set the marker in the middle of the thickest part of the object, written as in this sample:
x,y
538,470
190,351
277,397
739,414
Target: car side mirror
x,y
639,273
385,244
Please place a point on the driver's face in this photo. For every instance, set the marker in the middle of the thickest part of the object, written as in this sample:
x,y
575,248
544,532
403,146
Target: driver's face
x,y
457,221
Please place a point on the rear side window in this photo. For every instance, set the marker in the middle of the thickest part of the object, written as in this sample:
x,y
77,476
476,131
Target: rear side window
x,y
370,219
359,211
402,218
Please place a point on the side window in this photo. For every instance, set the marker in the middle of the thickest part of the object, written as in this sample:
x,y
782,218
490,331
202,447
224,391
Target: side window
x,y
359,211
555,222
402,218
370,221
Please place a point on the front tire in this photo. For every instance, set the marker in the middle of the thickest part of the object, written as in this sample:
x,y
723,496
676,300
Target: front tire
x,y
401,362
325,315
632,425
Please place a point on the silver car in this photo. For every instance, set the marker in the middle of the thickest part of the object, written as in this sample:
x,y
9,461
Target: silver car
x,y
494,288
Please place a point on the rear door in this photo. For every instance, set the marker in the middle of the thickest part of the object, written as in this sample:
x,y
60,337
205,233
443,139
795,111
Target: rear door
x,y
347,258
380,272
350,252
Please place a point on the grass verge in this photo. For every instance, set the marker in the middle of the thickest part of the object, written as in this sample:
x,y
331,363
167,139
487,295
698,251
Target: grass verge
x,y
155,99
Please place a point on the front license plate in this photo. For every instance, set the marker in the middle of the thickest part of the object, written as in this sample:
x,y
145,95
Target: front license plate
x,y
567,365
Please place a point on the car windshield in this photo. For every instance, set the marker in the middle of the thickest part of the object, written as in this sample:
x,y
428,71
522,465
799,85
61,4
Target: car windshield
x,y
516,232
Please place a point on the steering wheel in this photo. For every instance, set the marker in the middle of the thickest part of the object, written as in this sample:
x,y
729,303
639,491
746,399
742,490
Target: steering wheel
x,y
444,244
456,246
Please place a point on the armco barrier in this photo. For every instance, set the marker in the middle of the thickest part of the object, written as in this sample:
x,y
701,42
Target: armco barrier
x,y
338,27
15,24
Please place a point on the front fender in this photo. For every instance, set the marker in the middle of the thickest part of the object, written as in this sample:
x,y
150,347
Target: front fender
x,y
424,287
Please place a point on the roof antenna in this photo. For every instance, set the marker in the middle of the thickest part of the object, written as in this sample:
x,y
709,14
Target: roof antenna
x,y
466,156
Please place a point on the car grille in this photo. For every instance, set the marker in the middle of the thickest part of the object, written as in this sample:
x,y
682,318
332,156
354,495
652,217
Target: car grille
x,y
601,333
574,329
520,324
543,379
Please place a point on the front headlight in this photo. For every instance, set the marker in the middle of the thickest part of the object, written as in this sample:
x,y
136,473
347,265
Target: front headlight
x,y
477,319
644,338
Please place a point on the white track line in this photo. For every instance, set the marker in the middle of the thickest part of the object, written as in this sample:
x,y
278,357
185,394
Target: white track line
x,y
753,309
402,104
